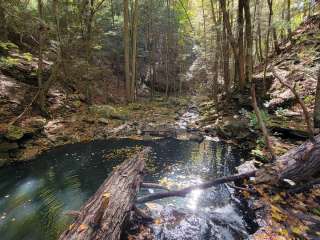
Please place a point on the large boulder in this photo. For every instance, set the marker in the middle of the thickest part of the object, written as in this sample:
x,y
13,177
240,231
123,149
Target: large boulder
x,y
36,122
8,146
234,128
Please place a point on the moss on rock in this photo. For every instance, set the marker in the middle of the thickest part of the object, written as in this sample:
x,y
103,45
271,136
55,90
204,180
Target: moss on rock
x,y
14,133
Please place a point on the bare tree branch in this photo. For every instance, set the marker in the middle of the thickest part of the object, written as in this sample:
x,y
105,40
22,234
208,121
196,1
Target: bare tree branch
x,y
183,192
261,123
300,101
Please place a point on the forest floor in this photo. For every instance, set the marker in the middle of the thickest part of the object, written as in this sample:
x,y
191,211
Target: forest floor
x,y
73,121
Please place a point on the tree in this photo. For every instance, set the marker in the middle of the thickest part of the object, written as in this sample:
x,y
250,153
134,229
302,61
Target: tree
x,y
249,41
126,48
41,98
289,19
316,114
270,5
134,47
241,58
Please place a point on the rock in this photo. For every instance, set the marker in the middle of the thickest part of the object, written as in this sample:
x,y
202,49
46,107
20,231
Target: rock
x,y
107,111
14,133
234,128
8,146
4,159
36,122
211,130
103,120
246,167
197,137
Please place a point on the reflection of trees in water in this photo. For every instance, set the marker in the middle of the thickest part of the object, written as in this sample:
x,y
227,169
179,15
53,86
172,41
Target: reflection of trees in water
x,y
51,215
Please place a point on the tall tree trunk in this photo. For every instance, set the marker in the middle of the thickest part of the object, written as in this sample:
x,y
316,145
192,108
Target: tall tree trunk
x,y
289,19
233,42
275,40
226,57
216,56
242,78
134,47
3,20
126,42
270,5
167,48
259,52
41,99
204,32
112,13
249,40
316,114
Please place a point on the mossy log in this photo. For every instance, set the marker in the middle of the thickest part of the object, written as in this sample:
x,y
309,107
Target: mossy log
x,y
103,215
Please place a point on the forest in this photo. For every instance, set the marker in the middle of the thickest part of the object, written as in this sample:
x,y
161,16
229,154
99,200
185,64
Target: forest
x,y
159,119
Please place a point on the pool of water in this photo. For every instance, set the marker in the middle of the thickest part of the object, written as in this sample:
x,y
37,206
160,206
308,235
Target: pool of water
x,y
35,195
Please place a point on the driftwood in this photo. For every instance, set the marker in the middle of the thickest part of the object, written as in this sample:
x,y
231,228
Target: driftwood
x,y
103,215
183,192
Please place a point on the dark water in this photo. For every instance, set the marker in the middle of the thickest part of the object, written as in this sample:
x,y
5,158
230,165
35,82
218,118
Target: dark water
x,y
33,196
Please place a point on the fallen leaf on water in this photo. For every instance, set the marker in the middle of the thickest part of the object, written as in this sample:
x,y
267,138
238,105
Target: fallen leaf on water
x,y
83,227
157,221
71,226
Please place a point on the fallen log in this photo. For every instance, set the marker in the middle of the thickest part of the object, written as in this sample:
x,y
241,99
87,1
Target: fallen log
x,y
298,164
183,192
154,186
103,215
290,133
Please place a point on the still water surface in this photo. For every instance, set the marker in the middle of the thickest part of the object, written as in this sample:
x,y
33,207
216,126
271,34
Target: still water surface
x,y
35,195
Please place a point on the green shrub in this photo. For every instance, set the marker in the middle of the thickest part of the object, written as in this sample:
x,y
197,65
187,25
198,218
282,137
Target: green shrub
x,y
309,99
254,121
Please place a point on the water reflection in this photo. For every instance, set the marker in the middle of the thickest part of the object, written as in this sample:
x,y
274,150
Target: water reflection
x,y
35,195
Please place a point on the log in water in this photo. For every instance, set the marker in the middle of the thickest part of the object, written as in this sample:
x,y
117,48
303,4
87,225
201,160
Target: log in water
x,y
104,213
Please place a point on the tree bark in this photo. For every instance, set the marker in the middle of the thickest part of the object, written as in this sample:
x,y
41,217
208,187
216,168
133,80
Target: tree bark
x,y
270,4
41,98
3,20
289,19
249,40
316,114
242,77
226,56
134,47
216,56
126,48
305,168
104,214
